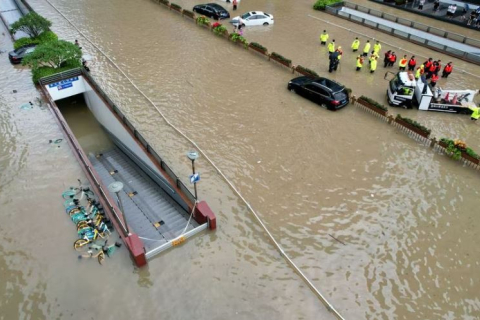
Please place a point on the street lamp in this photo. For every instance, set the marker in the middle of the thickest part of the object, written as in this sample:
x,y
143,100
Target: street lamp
x,y
193,155
116,187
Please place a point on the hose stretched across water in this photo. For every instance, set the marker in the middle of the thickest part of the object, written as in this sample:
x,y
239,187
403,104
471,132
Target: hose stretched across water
x,y
282,252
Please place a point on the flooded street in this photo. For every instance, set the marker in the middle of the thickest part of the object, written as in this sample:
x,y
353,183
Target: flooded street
x,y
405,217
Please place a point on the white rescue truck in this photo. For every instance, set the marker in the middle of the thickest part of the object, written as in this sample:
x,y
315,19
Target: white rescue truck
x,y
404,91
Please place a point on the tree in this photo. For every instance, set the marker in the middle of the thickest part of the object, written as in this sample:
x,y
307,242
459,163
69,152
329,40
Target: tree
x,y
32,24
54,54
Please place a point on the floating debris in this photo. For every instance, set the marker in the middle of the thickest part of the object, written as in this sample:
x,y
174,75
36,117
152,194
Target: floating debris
x,y
26,106
57,141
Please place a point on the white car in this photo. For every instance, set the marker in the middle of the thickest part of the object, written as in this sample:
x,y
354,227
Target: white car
x,y
254,18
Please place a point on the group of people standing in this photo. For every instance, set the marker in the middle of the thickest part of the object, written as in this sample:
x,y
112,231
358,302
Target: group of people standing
x,y
430,67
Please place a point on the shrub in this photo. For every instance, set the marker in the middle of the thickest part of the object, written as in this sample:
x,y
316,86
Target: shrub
x,y
46,36
165,2
41,72
203,20
374,103
472,153
235,37
280,58
219,29
175,6
258,46
188,13
24,42
400,2
321,4
306,70
415,124
455,153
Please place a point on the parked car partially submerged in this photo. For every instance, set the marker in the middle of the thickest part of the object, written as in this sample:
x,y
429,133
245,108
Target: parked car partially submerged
x,y
16,56
212,10
254,18
325,92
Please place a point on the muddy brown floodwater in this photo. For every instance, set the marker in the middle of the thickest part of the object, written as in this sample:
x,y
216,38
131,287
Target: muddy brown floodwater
x,y
406,216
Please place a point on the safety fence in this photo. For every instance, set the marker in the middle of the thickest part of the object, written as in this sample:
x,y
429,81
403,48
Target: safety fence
x,y
336,10
418,134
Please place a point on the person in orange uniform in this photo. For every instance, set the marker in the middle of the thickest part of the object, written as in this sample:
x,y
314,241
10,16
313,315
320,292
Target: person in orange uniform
x,y
403,63
447,70
433,80
412,63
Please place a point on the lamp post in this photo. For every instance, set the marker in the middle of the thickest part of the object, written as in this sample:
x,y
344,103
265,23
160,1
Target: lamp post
x,y
116,187
193,155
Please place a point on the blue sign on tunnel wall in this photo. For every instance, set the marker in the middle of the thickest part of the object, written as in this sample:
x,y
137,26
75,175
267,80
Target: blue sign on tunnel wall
x,y
67,83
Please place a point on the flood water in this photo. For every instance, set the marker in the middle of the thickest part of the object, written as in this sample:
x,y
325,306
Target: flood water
x,y
405,216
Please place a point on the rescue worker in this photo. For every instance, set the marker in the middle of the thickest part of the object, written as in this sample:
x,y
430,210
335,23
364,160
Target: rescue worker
x,y
387,58
475,114
392,59
377,47
447,70
340,53
412,63
403,63
366,49
431,70
433,80
373,64
333,61
331,47
355,44
359,63
428,63
324,37
373,55
438,67
419,72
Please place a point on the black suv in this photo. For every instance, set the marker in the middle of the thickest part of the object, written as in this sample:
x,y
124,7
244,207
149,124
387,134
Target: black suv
x,y
327,93
16,56
212,10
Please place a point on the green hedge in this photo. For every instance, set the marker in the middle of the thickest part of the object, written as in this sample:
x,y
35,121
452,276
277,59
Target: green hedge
x,y
165,2
188,13
235,37
321,4
374,103
456,152
414,123
220,30
42,38
175,6
203,20
41,72
258,46
306,70
281,58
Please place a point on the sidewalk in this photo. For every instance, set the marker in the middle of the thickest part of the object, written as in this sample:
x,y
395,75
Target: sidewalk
x,y
441,14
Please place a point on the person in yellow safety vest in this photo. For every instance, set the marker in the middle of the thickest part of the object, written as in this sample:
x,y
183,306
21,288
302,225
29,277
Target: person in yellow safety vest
x,y
366,49
377,47
403,63
331,46
359,63
419,72
475,114
324,37
373,64
355,44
